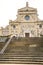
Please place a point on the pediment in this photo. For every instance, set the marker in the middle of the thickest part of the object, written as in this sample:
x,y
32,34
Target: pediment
x,y
27,9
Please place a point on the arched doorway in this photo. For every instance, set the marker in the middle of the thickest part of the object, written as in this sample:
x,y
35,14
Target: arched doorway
x,y
26,34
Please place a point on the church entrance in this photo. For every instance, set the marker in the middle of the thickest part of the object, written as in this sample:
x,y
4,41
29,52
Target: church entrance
x,y
26,34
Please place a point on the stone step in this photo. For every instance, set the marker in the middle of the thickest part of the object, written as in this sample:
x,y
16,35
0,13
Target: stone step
x,y
25,60
22,55
21,61
16,57
22,58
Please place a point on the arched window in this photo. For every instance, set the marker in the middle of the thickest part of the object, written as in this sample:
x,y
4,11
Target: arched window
x,y
14,26
40,26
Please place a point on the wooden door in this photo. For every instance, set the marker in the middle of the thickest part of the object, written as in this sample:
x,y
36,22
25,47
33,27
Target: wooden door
x,y
26,34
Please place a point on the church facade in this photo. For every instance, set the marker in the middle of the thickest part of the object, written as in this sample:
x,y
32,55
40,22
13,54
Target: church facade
x,y
27,24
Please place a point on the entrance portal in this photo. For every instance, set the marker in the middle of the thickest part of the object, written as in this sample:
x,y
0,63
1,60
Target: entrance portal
x,y
26,34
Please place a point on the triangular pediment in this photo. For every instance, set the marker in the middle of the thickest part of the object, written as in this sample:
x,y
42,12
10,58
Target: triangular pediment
x,y
27,8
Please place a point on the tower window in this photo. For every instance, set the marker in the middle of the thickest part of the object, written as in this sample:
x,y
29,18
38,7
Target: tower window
x,y
40,26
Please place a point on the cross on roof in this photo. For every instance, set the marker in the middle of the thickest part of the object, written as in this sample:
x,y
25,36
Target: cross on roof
x,y
26,4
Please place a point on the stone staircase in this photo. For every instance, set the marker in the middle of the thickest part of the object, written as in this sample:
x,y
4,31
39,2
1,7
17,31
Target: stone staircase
x,y
22,57
5,46
17,52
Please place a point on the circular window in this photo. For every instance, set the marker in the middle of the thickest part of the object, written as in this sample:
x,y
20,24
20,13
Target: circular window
x,y
27,17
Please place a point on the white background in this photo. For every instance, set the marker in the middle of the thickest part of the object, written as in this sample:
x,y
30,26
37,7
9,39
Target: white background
x,y
8,9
